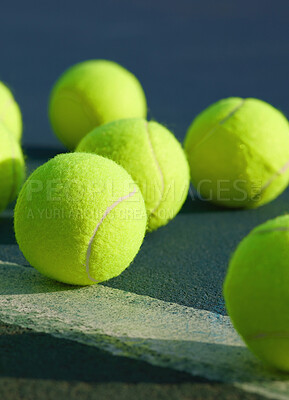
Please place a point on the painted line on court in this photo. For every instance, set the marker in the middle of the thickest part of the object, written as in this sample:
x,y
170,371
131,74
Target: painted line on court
x,y
199,342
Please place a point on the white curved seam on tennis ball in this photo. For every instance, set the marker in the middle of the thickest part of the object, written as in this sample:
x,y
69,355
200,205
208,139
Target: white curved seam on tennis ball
x,y
224,120
158,168
220,123
278,173
6,107
107,211
264,161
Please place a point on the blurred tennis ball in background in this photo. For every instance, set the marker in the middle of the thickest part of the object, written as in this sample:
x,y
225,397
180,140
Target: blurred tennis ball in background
x,y
256,291
12,167
10,114
80,219
238,151
152,156
92,93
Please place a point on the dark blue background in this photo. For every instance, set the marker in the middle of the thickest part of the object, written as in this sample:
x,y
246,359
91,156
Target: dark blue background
x,y
186,53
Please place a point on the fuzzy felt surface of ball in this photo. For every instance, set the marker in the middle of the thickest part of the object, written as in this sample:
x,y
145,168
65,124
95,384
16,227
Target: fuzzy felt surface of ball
x,y
152,156
10,114
12,167
80,219
92,93
238,151
256,291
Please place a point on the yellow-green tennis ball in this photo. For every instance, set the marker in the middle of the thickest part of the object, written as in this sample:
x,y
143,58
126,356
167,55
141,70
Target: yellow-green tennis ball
x,y
12,169
238,151
10,114
152,156
90,94
80,219
256,291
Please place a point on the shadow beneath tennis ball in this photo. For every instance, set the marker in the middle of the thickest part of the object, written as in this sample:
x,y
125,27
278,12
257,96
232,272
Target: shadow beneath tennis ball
x,y
7,236
42,153
37,156
18,280
218,361
198,205
185,262
23,352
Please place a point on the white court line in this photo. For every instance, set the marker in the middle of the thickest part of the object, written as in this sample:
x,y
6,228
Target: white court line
x,y
199,342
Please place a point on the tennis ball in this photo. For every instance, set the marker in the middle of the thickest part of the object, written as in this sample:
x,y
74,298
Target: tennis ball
x,y
256,291
92,93
152,156
10,114
238,151
80,219
12,168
